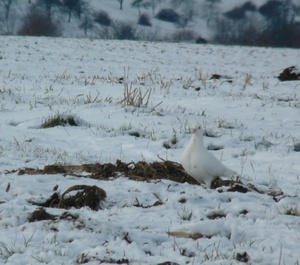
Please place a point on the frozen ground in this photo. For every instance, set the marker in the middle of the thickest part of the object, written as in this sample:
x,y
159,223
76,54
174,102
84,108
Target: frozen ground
x,y
254,116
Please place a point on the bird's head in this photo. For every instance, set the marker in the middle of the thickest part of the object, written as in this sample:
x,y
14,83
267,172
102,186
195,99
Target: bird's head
x,y
197,129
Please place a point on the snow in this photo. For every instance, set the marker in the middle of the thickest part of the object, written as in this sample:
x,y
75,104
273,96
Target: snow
x,y
41,77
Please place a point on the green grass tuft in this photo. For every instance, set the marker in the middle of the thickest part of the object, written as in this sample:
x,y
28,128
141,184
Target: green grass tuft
x,y
59,120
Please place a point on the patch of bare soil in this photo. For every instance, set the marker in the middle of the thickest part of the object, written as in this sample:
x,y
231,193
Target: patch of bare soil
x,y
140,171
91,196
40,214
86,195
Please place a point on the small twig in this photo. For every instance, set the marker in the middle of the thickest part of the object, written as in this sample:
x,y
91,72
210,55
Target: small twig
x,y
8,187
280,254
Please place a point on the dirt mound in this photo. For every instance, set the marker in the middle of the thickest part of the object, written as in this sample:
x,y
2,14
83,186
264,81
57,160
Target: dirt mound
x,y
140,171
86,195
289,74
91,196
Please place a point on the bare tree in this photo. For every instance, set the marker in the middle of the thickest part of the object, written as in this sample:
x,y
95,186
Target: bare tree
x,y
48,6
7,16
137,4
211,10
140,4
176,3
77,7
121,4
153,6
7,5
87,24
188,10
281,29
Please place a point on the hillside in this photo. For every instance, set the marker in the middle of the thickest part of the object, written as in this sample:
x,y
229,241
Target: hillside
x,y
261,23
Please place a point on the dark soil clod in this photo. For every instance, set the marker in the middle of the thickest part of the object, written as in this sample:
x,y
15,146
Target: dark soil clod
x,y
215,76
238,188
51,202
242,257
40,214
216,215
90,196
289,74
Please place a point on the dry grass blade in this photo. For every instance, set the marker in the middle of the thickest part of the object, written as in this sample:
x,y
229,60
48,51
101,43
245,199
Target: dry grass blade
x,y
8,187
89,99
184,234
135,97
247,81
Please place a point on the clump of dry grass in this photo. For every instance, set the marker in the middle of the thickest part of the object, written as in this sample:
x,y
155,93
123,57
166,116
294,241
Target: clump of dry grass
x,y
247,81
135,97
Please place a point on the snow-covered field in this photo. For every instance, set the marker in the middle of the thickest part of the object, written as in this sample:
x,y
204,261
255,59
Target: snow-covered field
x,y
254,116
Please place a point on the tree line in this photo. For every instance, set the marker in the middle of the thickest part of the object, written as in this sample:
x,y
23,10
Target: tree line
x,y
273,23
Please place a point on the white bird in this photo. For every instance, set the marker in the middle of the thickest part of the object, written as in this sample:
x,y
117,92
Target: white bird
x,y
199,163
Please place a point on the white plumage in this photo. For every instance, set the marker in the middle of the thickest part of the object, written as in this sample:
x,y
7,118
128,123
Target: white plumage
x,y
199,163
